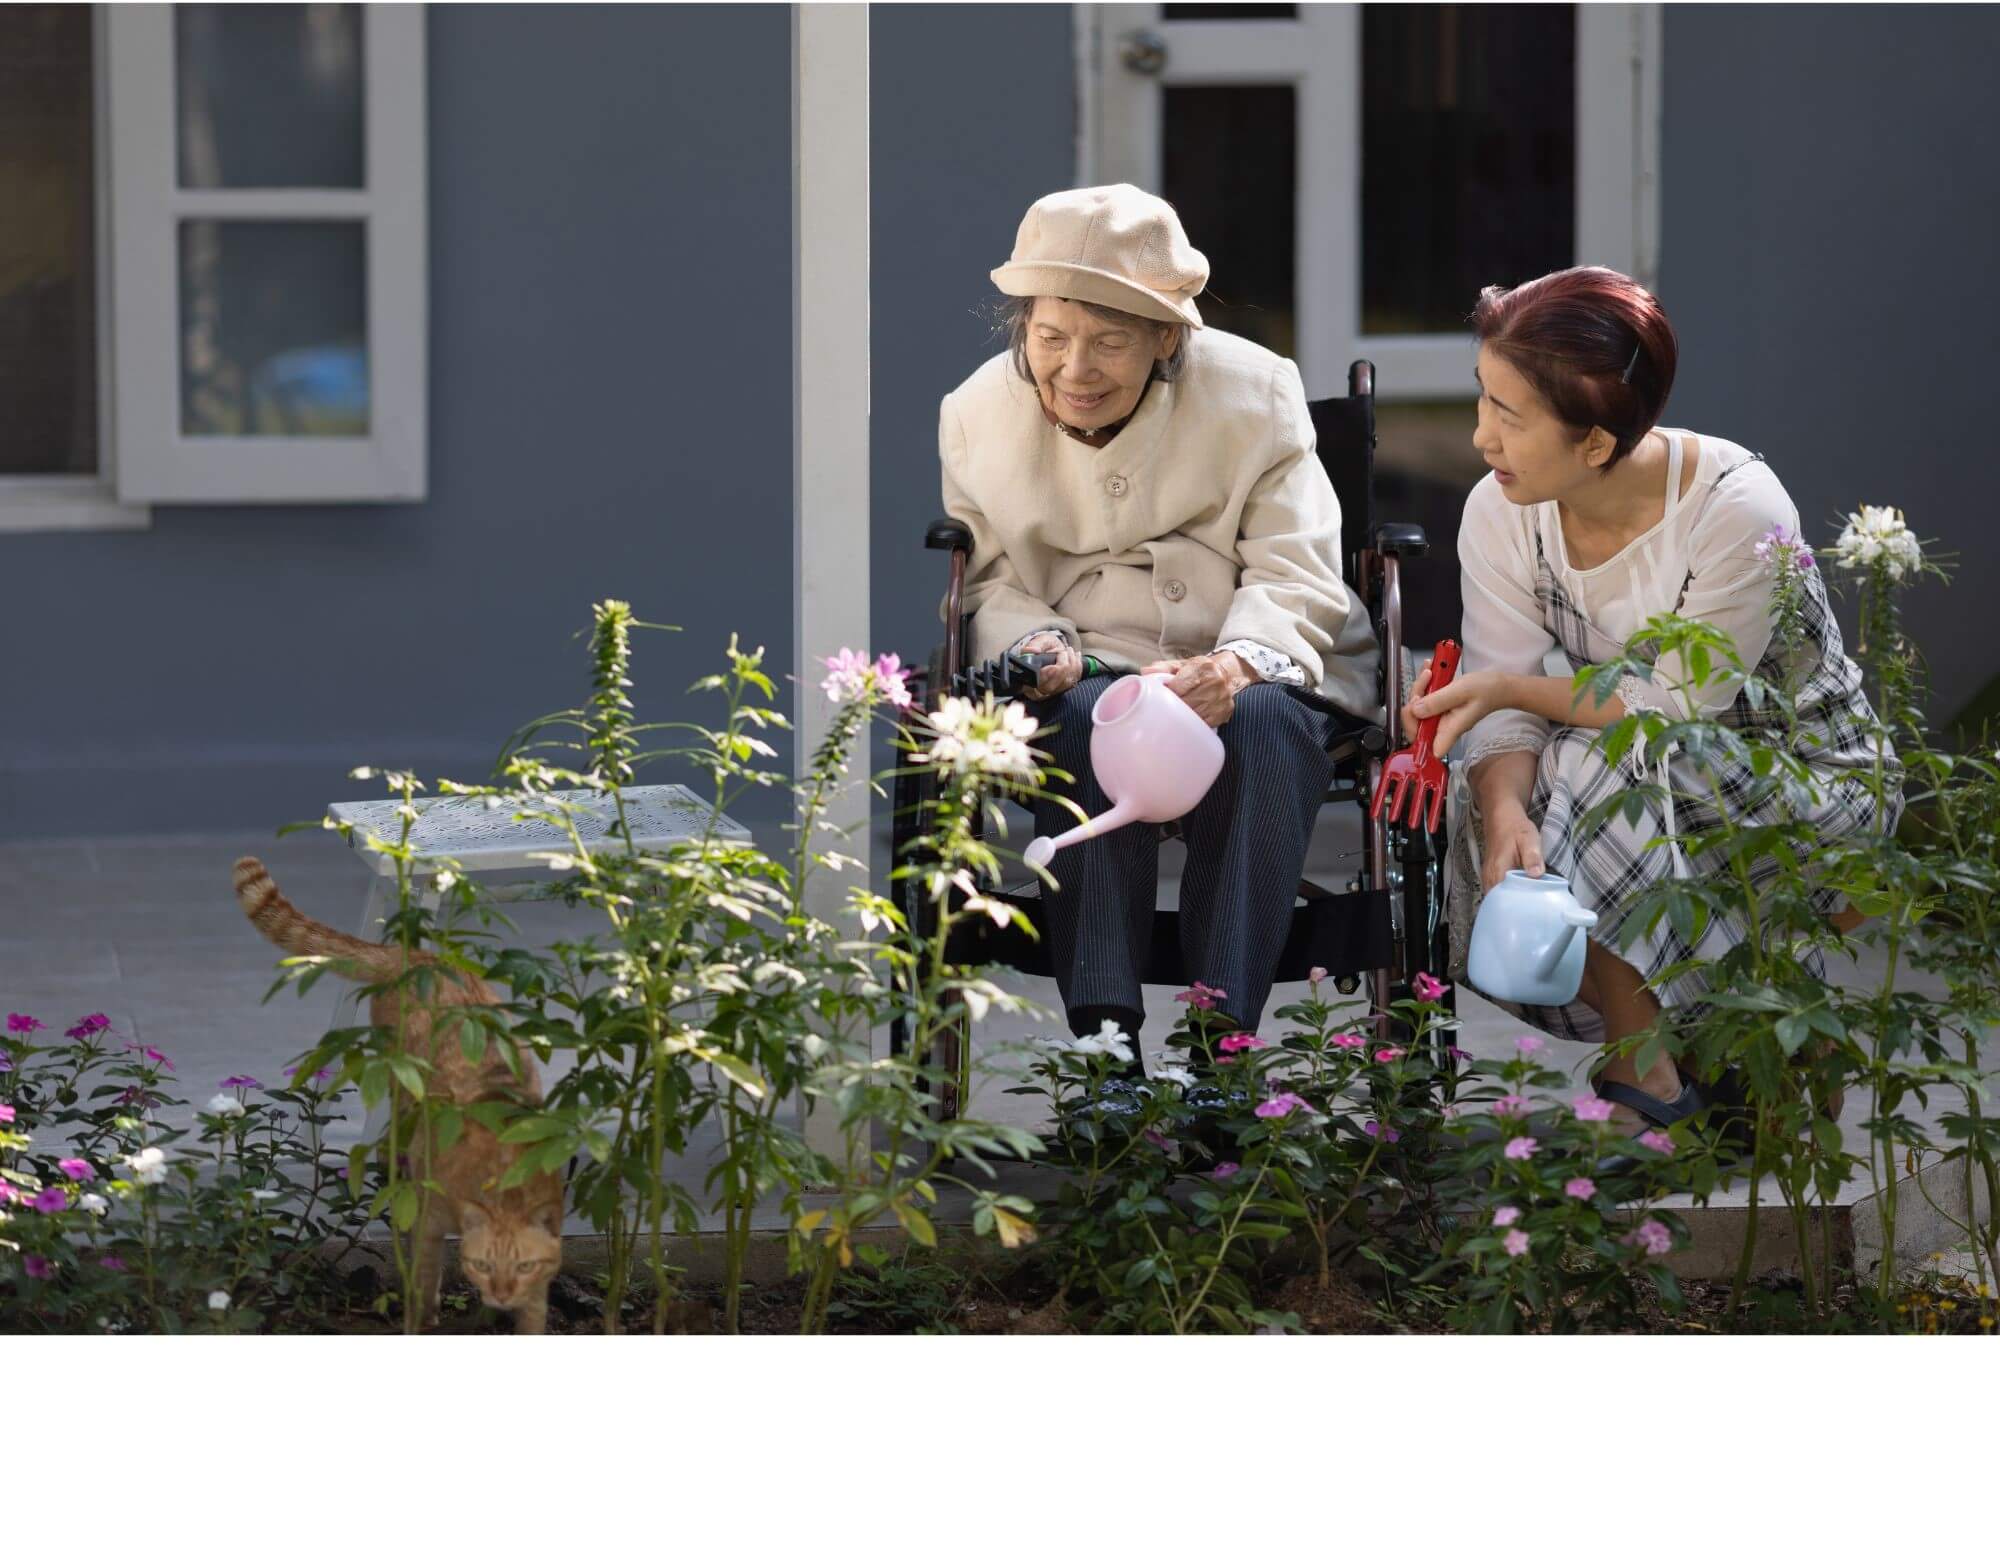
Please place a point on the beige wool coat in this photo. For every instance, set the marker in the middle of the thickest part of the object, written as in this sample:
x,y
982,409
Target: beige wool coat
x,y
1208,518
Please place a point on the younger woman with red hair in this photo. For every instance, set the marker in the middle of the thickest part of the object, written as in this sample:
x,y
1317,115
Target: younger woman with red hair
x,y
1593,520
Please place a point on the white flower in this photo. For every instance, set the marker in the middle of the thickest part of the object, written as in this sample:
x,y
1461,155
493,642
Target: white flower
x,y
148,1166
1176,1075
263,1196
1108,1042
812,1045
218,1300
93,1204
970,738
225,1105
444,879
1876,535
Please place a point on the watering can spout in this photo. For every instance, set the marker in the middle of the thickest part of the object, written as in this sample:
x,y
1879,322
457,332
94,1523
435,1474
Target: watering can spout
x,y
1042,849
1551,954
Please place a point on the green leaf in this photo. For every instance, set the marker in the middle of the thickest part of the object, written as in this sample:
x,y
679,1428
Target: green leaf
x,y
917,1223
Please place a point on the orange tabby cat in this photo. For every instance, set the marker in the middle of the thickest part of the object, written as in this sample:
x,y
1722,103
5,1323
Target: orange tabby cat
x,y
510,1242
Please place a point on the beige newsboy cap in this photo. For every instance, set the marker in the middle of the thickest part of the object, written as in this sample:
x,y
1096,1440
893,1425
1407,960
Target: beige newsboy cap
x,y
1116,246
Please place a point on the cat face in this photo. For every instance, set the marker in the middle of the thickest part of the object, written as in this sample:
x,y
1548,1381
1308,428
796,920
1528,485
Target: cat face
x,y
509,1259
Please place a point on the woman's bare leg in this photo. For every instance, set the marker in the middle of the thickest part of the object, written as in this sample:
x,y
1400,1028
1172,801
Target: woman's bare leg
x,y
1619,995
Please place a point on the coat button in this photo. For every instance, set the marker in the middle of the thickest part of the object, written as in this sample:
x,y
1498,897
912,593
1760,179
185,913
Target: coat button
x,y
1116,486
1174,590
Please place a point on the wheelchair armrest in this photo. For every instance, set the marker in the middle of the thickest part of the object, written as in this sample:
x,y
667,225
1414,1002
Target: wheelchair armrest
x,y
949,535
1403,539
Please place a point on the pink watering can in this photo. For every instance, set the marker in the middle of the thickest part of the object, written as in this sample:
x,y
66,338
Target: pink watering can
x,y
1153,756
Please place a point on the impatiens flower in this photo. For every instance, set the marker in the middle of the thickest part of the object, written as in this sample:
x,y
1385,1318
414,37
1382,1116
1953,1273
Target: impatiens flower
x,y
89,1025
225,1105
853,678
1653,1234
1224,1170
1202,996
111,1262
1388,1054
1279,1106
1348,1040
1657,1140
1316,975
148,1166
1238,1042
1510,1105
1522,1148
6,1113
239,1081
77,1169
218,1300
983,738
1504,1217
1385,1134
1429,989
1582,1188
1588,1109
1516,1242
93,1204
1111,1042
40,1267
23,1024
1527,1045
1175,1075
52,1199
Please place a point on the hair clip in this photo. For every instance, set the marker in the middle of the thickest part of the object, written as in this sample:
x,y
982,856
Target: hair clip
x,y
1631,364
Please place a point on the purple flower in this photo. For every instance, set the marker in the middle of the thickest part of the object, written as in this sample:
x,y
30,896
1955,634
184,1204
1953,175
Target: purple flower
x,y
51,1200
1805,559
40,1267
89,1025
239,1081
1386,1134
23,1024
1429,988
1583,1188
320,1075
1658,1141
1516,1242
1522,1148
76,1169
151,1054
111,1262
6,1063
1653,1235
1224,1170
1459,1054
1279,1106
1153,1136
1506,1217
1589,1109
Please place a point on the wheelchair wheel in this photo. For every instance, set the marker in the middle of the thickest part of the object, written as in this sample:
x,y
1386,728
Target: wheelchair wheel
x,y
1423,940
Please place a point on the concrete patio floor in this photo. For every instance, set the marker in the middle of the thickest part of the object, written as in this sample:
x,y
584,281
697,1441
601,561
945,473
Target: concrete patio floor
x,y
147,931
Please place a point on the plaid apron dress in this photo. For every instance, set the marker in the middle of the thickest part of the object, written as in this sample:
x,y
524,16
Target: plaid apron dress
x,y
1613,867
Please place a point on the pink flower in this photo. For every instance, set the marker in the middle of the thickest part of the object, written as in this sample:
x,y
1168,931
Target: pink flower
x,y
1658,1141
1510,1105
111,1262
1388,1054
151,1054
8,1195
1522,1148
76,1169
39,1267
1588,1109
86,1027
23,1024
239,1081
853,678
1527,1045
1459,1054
1316,975
1386,1134
1583,1188
1153,1137
1516,1242
1653,1234
1202,996
1238,1042
1347,1039
52,1200
1429,988
1224,1170
1279,1106
1504,1217
6,1113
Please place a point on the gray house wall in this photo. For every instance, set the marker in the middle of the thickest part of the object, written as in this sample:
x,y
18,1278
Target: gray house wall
x,y
610,415
1830,243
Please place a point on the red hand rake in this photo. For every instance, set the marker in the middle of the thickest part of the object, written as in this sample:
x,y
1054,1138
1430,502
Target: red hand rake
x,y
1417,767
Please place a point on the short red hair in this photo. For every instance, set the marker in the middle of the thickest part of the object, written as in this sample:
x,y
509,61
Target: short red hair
x,y
1594,342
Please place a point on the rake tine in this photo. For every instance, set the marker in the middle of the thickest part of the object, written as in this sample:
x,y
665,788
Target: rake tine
x,y
1436,811
1400,787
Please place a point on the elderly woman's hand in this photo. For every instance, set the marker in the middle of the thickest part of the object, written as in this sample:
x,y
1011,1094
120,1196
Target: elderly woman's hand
x,y
1059,676
1208,683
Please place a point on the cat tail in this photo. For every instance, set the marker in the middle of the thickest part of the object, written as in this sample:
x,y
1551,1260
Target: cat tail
x,y
292,931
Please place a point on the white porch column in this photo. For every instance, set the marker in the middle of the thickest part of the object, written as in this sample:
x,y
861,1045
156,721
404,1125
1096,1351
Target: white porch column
x,y
830,401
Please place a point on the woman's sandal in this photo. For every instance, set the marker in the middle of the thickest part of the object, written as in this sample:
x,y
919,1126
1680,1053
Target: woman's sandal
x,y
1658,1113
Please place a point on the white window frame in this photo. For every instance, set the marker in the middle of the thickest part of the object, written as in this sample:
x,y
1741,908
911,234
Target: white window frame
x,y
155,462
1319,55
85,501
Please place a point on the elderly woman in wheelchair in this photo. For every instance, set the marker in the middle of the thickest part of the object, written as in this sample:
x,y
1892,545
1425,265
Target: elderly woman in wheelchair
x,y
1143,495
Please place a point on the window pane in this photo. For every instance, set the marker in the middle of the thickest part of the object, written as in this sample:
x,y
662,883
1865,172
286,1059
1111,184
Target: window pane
x,y
48,262
269,96
1229,13
274,327
1230,159
1468,156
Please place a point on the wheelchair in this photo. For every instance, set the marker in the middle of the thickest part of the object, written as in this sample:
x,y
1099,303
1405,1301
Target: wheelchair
x,y
1386,926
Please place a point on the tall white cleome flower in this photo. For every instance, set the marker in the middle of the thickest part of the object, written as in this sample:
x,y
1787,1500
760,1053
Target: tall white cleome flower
x,y
148,1166
225,1105
981,737
1876,535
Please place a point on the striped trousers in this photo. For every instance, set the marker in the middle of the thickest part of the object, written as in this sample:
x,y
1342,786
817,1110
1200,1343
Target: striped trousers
x,y
1246,849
